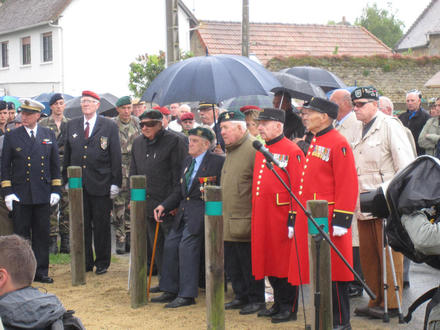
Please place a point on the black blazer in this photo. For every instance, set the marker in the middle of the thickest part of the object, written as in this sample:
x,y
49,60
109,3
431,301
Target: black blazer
x,y
30,169
99,156
191,206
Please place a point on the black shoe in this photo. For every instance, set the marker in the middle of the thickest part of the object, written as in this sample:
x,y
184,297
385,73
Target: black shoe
x,y
164,298
406,284
180,301
100,270
252,308
283,317
235,304
275,309
155,289
378,312
43,279
120,247
53,245
342,327
354,291
65,245
362,311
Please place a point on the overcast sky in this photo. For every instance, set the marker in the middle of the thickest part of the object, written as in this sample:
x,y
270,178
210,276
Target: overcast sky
x,y
303,11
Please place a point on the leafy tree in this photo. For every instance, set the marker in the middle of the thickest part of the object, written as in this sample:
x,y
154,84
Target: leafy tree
x,y
382,23
143,71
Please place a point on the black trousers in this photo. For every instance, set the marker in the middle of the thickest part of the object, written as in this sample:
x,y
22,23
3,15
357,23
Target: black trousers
x,y
97,226
357,267
238,266
341,303
181,262
164,229
31,221
285,295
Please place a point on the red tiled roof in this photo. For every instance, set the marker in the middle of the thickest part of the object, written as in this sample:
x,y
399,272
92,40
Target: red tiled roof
x,y
268,40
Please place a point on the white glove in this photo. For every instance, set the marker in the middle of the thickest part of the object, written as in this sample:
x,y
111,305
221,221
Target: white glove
x,y
290,232
339,231
54,198
114,191
66,187
9,199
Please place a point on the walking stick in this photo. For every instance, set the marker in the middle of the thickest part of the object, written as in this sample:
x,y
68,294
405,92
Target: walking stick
x,y
152,260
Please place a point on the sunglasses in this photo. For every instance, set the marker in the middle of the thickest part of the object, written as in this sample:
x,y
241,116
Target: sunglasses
x,y
148,124
361,104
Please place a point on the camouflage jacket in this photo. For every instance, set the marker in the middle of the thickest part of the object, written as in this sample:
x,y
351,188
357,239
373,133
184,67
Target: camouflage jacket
x,y
127,133
59,133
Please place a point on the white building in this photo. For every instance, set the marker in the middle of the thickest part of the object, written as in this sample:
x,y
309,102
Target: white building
x,y
73,45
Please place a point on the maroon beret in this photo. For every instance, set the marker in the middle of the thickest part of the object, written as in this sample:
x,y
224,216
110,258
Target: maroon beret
x,y
164,110
91,94
249,107
187,116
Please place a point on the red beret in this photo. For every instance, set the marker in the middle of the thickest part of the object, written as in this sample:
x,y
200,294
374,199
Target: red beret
x,y
164,110
91,94
187,116
249,107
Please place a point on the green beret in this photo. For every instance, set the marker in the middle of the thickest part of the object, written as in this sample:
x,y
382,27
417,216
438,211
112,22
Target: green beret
x,y
368,92
151,114
231,115
202,132
123,101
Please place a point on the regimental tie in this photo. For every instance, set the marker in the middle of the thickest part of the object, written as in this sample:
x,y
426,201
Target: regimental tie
x,y
86,131
189,173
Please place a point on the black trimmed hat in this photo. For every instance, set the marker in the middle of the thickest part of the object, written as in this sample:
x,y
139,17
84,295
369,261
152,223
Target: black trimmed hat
x,y
125,100
368,92
29,105
272,114
55,97
202,132
323,106
152,114
231,115
205,105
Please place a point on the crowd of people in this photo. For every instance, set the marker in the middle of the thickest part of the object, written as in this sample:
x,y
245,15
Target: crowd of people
x,y
323,149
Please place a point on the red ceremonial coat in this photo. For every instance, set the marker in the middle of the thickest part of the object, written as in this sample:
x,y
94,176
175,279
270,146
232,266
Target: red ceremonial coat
x,y
329,173
270,209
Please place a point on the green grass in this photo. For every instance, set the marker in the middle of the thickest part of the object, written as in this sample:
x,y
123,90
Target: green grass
x,y
64,259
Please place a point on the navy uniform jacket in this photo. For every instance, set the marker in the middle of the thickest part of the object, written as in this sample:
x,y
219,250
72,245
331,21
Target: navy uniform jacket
x,y
99,156
30,170
191,205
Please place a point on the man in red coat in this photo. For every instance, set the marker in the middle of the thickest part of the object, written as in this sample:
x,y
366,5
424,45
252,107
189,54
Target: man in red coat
x,y
271,206
329,174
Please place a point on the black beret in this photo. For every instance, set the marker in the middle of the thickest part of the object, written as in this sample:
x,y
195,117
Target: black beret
x,y
231,115
368,92
55,97
11,106
202,132
323,106
3,105
272,114
151,114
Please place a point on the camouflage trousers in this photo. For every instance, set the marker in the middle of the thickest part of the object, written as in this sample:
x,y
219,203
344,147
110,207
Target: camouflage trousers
x,y
59,216
121,215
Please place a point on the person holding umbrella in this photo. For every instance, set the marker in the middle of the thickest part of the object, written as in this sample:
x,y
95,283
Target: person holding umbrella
x,y
293,127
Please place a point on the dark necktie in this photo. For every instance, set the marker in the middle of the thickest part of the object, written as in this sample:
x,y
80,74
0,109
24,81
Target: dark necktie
x,y
86,131
189,173
32,136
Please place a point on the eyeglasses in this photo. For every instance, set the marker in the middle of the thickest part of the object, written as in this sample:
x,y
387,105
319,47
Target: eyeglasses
x,y
148,124
88,101
361,104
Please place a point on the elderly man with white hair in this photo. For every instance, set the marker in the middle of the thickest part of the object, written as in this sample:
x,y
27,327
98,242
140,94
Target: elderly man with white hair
x,y
176,125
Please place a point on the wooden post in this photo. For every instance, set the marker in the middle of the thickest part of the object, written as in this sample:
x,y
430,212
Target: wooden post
x,y
76,221
214,259
138,243
319,211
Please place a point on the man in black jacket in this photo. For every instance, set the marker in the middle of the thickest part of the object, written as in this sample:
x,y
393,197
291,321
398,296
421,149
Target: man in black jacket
x,y
159,155
415,117
183,245
293,126
92,142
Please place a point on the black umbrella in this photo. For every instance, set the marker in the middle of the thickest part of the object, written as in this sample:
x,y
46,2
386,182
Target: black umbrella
x,y
262,101
106,108
318,76
297,88
210,79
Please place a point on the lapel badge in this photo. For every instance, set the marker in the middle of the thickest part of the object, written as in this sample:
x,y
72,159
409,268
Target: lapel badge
x,y
104,142
18,149
74,135
46,141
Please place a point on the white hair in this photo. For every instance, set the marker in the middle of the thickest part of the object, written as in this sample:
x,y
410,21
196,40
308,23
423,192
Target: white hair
x,y
239,123
388,102
186,106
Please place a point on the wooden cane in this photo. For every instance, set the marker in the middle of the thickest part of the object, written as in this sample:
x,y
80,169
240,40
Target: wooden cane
x,y
152,260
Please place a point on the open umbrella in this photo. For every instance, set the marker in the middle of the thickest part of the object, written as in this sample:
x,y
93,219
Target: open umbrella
x,y
262,101
12,99
106,108
434,81
318,76
44,98
297,88
210,79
